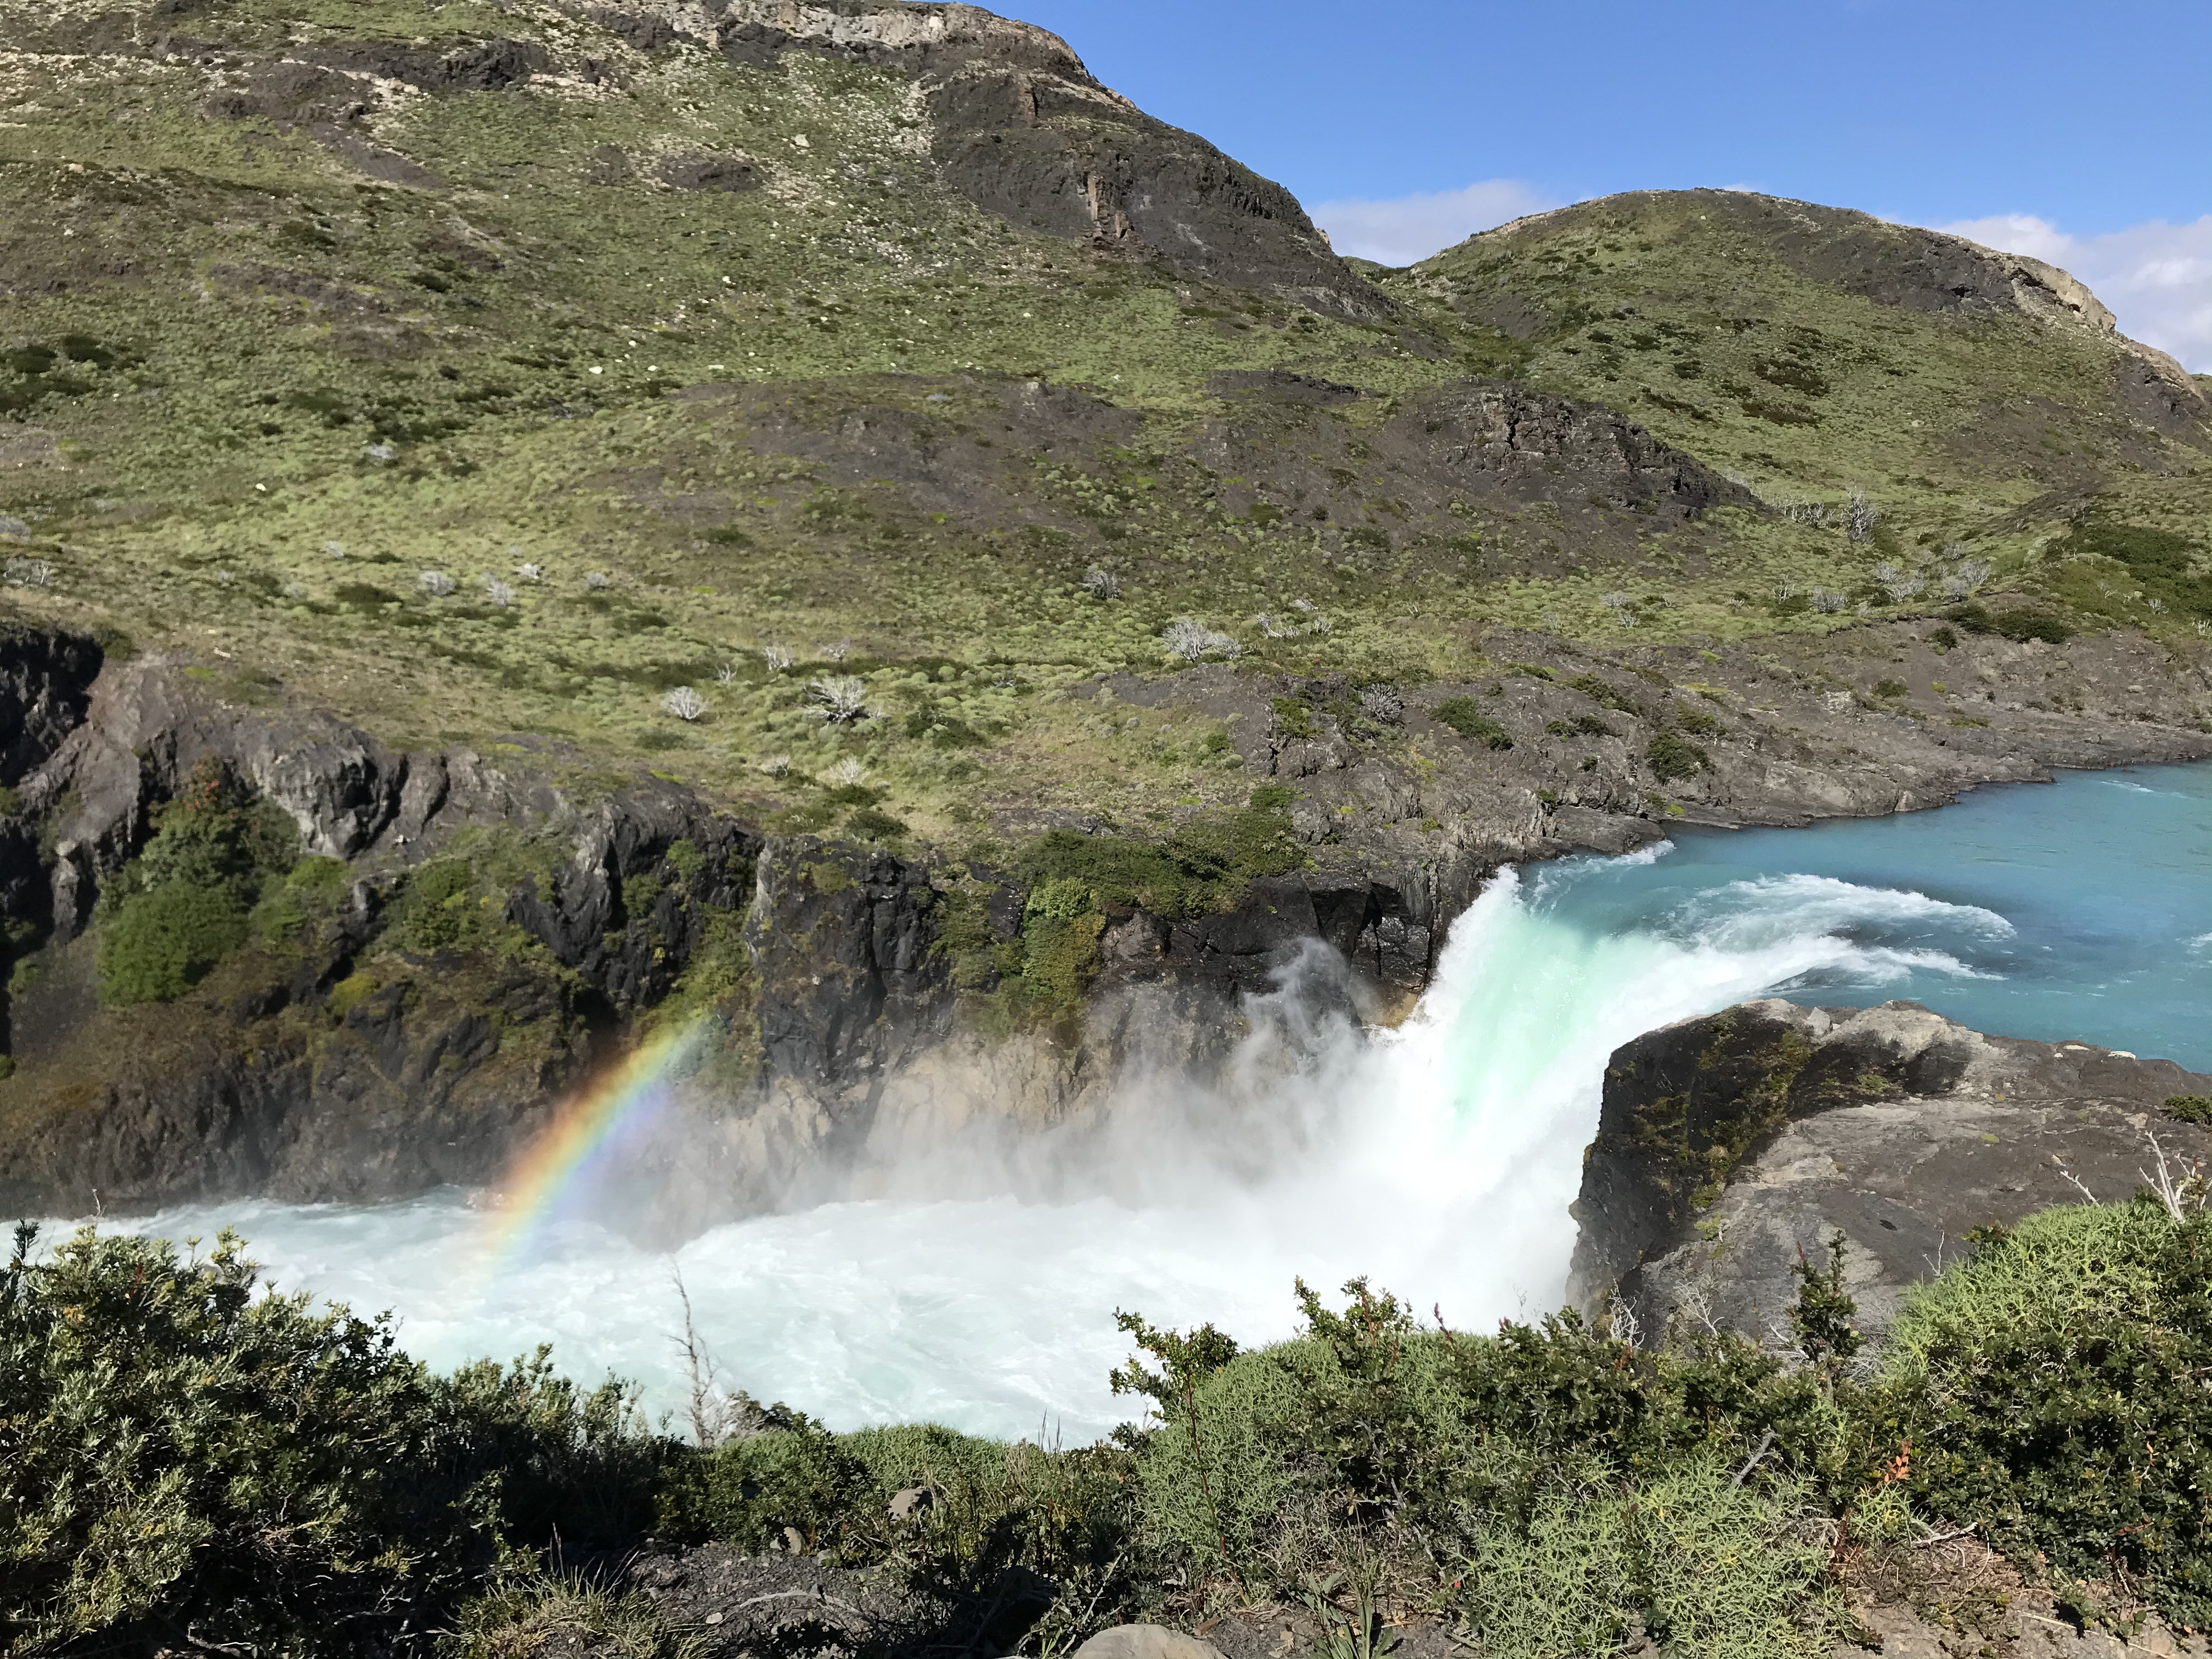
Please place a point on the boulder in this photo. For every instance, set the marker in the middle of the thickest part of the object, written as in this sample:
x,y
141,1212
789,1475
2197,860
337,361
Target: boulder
x,y
1727,1145
1146,1642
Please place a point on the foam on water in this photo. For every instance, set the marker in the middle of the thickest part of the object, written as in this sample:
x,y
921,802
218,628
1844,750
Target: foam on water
x,y
1439,1160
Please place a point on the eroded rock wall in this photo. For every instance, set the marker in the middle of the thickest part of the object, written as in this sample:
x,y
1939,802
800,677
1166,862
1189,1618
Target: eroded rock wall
x,y
1728,1144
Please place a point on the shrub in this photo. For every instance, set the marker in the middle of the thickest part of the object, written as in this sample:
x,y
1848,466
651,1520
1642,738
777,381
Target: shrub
x,y
1293,717
1465,716
1863,516
840,699
188,1454
2017,625
1382,704
1969,575
1603,694
871,824
160,944
1191,640
2190,1108
1201,869
1709,1568
1673,756
175,912
792,1474
437,908
2049,1391
1581,725
1891,688
1550,1465
686,704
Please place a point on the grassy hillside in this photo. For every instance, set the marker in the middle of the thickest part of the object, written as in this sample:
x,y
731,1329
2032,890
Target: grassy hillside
x,y
468,370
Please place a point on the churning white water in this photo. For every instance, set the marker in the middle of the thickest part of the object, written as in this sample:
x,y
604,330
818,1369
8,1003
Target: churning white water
x,y
1438,1160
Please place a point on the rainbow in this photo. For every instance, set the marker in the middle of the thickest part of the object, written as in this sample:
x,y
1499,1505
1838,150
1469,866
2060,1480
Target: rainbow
x,y
586,1128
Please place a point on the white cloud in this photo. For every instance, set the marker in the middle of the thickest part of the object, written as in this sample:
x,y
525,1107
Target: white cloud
x,y
2156,277
1398,232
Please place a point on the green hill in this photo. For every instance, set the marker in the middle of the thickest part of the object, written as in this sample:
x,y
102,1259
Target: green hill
x,y
872,338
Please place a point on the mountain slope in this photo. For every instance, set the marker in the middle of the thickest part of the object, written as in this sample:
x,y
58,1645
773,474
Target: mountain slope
x,y
524,444
312,309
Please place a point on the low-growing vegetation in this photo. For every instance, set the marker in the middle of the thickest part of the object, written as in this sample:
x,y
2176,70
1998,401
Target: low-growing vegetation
x,y
183,905
193,1462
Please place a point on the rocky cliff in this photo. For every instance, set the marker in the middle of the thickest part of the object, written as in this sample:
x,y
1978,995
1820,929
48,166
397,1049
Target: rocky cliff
x,y
459,935
468,930
1730,1143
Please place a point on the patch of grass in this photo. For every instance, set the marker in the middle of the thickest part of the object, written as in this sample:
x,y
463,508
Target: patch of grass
x,y
525,1611
1465,716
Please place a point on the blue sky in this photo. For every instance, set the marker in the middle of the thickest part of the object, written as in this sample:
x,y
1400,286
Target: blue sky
x,y
2073,132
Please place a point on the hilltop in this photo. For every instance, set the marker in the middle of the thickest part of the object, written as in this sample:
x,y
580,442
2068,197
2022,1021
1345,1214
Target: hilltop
x,y
524,441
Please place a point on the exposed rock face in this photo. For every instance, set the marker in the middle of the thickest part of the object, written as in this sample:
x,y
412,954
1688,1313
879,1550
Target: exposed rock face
x,y
45,682
340,1070
1728,1144
1485,443
1024,131
840,942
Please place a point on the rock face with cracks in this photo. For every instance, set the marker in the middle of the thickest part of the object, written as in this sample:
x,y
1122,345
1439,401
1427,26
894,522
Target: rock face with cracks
x,y
1729,1144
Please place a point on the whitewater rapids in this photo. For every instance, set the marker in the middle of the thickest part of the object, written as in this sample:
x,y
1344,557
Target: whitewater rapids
x,y
1438,1160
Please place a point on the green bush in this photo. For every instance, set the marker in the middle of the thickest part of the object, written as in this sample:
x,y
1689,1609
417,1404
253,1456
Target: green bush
x,y
157,945
1601,692
1673,756
2051,1391
1199,870
176,911
2168,565
792,1474
1581,725
1710,1568
438,908
2018,625
187,1454
2190,1108
1447,1463
989,1506
1465,716
1695,721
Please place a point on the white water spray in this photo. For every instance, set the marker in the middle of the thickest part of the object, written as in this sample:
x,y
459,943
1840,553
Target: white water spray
x,y
1438,1160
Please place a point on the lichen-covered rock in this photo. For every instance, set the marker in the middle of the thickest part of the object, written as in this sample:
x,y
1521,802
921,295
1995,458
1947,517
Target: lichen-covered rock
x,y
840,939
1728,1144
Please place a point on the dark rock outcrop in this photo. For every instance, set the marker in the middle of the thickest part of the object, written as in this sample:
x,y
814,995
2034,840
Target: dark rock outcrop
x,y
840,943
1730,1143
338,1066
46,683
1025,132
